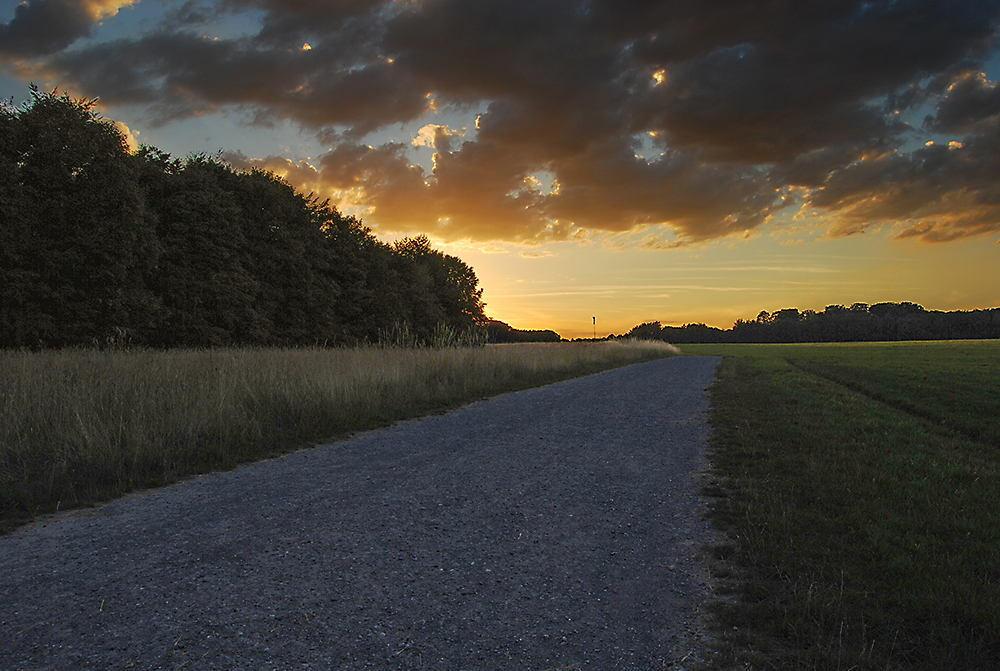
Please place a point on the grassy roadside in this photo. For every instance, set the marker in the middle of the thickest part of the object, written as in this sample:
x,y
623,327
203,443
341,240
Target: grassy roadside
x,y
859,487
79,427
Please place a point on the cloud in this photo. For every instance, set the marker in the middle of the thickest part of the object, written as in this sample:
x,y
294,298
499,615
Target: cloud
x,y
968,101
302,174
289,22
436,136
131,136
769,85
182,74
41,27
938,193
689,121
485,191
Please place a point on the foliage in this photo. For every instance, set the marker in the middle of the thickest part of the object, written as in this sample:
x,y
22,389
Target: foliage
x,y
500,332
76,239
99,246
858,323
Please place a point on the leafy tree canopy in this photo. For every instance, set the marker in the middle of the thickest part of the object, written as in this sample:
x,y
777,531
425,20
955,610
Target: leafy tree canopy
x,y
99,245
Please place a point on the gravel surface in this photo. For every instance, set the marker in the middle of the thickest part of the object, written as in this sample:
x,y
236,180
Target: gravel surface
x,y
553,528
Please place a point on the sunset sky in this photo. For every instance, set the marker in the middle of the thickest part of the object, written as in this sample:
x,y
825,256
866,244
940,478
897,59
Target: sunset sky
x,y
631,161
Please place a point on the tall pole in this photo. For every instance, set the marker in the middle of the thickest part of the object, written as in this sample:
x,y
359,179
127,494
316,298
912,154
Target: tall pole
x,y
595,328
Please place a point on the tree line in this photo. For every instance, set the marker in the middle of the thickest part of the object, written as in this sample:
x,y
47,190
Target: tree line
x,y
100,245
836,323
501,332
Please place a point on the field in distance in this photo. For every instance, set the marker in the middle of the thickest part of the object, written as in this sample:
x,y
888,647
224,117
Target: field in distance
x,y
79,426
860,487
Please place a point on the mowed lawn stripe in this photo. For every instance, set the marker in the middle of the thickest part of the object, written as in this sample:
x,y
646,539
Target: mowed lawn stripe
x,y
841,375
863,536
954,383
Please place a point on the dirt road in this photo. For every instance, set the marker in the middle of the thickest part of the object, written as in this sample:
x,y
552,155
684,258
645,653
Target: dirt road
x,y
554,528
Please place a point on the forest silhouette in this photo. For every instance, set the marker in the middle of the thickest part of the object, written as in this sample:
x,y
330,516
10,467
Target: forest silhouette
x,y
836,323
102,246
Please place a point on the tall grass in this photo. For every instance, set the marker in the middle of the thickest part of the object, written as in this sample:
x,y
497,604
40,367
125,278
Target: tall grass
x,y
77,427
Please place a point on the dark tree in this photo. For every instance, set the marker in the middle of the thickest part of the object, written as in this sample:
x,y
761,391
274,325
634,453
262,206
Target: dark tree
x,y
370,289
860,322
296,290
646,331
202,280
98,246
500,332
442,288
18,282
77,241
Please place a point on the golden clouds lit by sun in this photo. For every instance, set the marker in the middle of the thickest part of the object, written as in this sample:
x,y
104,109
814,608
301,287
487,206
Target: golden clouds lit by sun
x,y
99,9
131,136
435,136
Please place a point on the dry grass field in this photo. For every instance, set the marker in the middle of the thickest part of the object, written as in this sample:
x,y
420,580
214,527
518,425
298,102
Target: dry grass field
x,y
82,426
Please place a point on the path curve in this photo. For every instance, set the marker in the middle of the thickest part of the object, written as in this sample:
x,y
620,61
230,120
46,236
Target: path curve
x,y
553,528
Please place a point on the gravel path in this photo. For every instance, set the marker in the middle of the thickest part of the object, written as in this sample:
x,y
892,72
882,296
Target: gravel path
x,y
554,528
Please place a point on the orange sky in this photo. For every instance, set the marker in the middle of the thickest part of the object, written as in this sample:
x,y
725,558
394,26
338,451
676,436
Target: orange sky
x,y
680,162
719,282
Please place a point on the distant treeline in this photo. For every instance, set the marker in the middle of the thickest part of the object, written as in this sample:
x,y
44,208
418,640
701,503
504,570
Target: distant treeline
x,y
499,332
836,323
99,245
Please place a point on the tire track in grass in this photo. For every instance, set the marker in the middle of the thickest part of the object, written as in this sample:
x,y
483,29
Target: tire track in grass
x,y
972,434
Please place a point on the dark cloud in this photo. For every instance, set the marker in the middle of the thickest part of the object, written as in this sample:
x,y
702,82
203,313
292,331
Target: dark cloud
x,y
290,22
612,189
181,73
41,27
675,31
940,192
731,104
785,83
970,100
492,49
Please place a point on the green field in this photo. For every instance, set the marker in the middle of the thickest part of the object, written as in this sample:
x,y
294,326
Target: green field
x,y
860,487
82,426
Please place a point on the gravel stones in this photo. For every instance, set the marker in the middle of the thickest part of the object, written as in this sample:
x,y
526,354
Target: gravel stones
x,y
556,527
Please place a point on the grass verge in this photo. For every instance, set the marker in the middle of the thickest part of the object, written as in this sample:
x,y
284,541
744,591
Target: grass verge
x,y
79,427
860,487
